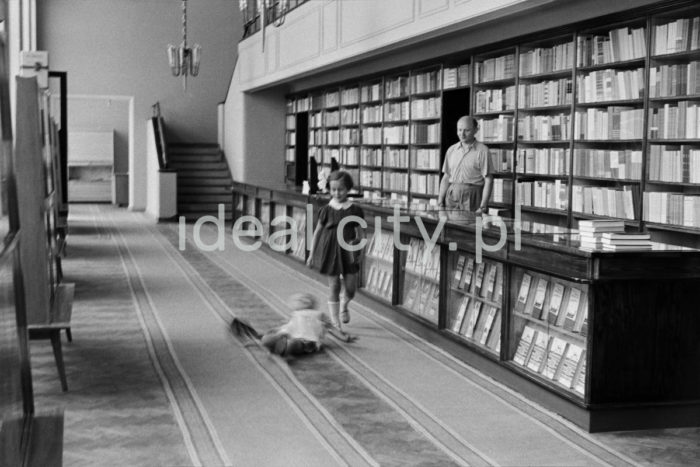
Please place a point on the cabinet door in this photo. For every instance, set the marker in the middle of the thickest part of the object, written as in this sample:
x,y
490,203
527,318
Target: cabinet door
x,y
420,292
378,268
548,329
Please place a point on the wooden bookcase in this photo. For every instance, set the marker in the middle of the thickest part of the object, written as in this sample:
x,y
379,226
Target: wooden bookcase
x,y
552,320
571,118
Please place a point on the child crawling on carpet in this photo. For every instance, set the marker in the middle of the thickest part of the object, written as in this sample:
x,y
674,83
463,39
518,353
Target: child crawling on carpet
x,y
302,334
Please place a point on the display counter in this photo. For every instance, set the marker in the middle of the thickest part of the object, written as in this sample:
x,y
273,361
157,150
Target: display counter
x,y
609,339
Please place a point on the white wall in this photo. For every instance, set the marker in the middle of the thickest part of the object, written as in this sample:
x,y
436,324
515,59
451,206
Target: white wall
x,y
118,47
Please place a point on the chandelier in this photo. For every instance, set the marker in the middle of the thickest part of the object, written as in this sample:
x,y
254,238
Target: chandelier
x,y
184,60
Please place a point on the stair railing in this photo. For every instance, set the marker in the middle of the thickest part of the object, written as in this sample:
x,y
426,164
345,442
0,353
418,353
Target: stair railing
x,y
159,132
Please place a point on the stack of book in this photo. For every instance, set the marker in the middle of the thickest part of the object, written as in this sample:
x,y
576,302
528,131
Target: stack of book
x,y
609,235
613,241
591,231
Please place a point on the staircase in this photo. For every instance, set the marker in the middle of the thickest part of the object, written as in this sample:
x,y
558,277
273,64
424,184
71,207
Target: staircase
x,y
203,179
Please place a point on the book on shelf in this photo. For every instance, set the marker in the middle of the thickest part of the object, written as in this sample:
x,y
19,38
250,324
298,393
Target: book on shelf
x,y
522,353
458,270
635,247
412,293
494,340
488,321
580,378
466,279
581,325
472,319
498,287
572,307
600,226
557,347
539,351
432,301
569,364
523,293
371,277
612,236
537,310
461,313
490,278
555,301
479,278
386,286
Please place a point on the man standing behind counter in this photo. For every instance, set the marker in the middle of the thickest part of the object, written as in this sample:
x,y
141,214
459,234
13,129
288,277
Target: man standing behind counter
x,y
467,180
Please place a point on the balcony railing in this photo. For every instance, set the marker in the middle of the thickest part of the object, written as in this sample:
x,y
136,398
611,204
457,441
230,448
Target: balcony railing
x,y
275,13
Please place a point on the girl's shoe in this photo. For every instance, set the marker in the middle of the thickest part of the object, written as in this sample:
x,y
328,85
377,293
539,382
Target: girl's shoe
x,y
345,316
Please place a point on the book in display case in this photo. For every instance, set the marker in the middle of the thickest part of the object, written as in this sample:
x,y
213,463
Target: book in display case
x,y
420,267
475,301
549,328
378,267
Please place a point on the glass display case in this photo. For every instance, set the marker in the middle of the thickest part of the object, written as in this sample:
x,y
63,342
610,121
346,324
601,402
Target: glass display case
x,y
420,293
378,268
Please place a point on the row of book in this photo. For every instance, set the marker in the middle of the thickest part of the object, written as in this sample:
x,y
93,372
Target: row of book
x,y
676,36
484,279
494,100
453,77
425,158
542,194
290,138
394,181
554,127
426,108
672,208
290,155
604,163
610,85
291,122
350,116
546,161
429,81
422,297
379,280
559,305
679,164
396,134
423,260
552,357
425,184
492,69
371,179
350,96
681,79
372,114
425,133
350,136
499,129
396,157
349,156
546,93
396,87
479,322
617,45
371,157
547,59
603,201
396,111
502,191
371,92
675,121
501,159
614,122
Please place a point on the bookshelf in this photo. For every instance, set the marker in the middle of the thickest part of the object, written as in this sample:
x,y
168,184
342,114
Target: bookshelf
x,y
474,301
595,120
568,316
371,148
290,139
672,186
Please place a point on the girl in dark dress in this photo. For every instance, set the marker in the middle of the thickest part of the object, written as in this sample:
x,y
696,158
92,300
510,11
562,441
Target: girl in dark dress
x,y
341,265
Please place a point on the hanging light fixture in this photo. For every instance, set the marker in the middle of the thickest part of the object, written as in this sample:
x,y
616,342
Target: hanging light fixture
x,y
184,60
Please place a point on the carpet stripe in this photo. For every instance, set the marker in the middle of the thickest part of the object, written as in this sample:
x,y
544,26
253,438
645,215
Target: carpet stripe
x,y
560,427
197,429
419,417
208,268
324,427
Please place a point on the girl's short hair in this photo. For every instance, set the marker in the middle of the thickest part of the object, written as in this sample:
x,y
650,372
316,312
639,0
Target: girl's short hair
x,y
342,176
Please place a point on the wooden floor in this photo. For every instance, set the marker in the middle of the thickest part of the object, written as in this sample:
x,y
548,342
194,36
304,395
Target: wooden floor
x,y
155,379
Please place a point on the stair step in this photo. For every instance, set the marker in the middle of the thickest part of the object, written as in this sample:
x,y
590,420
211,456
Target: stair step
x,y
202,198
193,148
198,165
190,174
184,158
211,208
204,190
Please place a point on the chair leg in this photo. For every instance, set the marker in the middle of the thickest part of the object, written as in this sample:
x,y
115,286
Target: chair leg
x,y
69,336
58,356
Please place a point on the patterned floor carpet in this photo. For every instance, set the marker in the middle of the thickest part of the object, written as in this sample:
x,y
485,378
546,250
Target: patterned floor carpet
x,y
155,379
